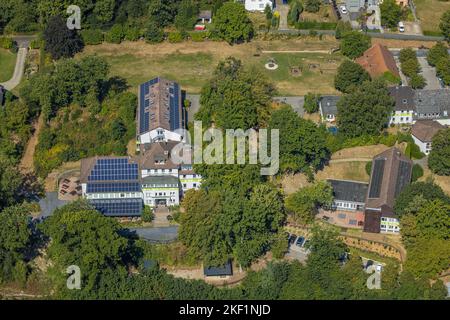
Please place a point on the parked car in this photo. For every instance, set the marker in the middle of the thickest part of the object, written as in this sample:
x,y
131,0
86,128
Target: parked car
x,y
325,218
300,241
401,26
343,9
292,238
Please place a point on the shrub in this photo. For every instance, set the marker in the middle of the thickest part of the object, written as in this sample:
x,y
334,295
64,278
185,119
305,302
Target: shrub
x,y
369,168
175,37
36,44
115,34
6,42
153,33
132,34
198,36
311,103
147,214
316,25
417,172
92,36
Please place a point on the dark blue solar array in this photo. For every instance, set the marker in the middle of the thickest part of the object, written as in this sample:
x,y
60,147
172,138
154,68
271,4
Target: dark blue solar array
x,y
114,170
174,107
113,187
144,117
377,178
119,207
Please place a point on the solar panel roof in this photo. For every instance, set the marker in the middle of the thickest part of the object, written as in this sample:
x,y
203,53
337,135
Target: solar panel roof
x,y
114,169
403,178
377,178
119,207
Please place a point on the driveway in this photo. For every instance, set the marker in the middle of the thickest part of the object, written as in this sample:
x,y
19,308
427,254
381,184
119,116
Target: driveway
x,y
50,203
297,253
413,28
429,73
161,234
18,70
283,9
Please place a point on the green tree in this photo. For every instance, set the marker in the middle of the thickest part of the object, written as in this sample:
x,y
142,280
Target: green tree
x,y
61,42
186,15
312,5
439,159
295,10
353,44
391,13
436,53
427,190
232,23
153,32
304,203
417,81
311,102
84,237
235,97
116,34
445,25
349,75
365,111
417,172
15,235
342,28
302,144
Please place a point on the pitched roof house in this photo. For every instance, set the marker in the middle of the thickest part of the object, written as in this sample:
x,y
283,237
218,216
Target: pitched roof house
x,y
391,173
160,111
405,107
423,132
378,60
328,108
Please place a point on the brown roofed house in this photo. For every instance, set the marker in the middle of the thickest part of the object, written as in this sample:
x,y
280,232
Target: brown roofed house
x,y
423,132
377,60
391,173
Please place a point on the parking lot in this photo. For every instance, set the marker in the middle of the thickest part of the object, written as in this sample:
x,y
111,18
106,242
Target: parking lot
x,y
297,249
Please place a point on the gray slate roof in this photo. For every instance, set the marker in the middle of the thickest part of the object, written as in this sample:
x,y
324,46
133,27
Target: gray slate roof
x,y
404,98
328,104
433,101
225,270
351,191
160,180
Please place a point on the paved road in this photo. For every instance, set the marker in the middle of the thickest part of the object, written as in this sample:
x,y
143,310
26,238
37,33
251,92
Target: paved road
x,y
395,36
162,234
283,9
429,73
50,203
18,71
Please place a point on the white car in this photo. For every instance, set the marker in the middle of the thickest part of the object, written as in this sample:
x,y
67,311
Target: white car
x,y
401,27
343,9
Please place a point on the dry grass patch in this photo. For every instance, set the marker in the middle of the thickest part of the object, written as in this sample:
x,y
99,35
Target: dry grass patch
x,y
359,152
429,12
351,170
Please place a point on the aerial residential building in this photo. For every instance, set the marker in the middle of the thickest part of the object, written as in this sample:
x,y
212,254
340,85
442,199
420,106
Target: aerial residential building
x,y
391,173
112,185
258,5
377,61
328,108
349,195
404,109
161,114
433,104
423,132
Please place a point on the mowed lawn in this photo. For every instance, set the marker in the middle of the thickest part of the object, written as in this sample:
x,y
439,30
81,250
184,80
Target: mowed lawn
x,y
7,64
192,64
430,12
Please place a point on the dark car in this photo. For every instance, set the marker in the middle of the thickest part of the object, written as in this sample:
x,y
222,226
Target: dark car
x,y
369,263
325,218
292,238
299,241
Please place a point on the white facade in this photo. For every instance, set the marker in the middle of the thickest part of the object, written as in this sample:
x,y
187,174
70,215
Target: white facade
x,y
257,5
159,135
110,195
402,117
389,225
169,196
425,147
348,205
